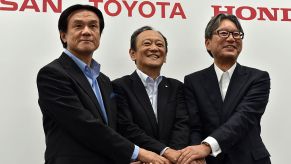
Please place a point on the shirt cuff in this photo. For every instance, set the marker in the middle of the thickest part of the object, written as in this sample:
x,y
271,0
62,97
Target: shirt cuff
x,y
135,153
163,151
215,148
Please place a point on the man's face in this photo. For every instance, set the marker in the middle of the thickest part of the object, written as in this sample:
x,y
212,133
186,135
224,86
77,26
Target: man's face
x,y
224,48
83,34
150,50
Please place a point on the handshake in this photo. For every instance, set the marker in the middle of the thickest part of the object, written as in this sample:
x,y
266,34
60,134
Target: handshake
x,y
189,155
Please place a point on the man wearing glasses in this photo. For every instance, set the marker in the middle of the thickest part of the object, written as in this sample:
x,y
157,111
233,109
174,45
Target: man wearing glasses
x,y
226,101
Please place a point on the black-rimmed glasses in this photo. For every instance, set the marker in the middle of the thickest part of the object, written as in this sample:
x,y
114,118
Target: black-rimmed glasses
x,y
225,34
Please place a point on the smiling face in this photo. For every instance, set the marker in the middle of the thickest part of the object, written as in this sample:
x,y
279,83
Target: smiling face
x,y
224,49
150,51
83,34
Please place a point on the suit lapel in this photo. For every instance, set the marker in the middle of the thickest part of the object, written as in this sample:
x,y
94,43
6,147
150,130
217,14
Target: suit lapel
x,y
238,80
210,83
105,92
76,73
163,96
142,96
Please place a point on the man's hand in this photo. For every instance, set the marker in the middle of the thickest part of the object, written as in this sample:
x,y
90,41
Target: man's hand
x,y
198,161
137,162
172,155
192,153
146,156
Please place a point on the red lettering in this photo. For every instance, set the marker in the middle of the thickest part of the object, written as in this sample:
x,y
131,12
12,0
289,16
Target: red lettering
x,y
267,12
218,11
163,6
118,9
252,11
130,8
96,2
178,10
286,14
152,11
26,6
263,12
56,9
145,8
13,5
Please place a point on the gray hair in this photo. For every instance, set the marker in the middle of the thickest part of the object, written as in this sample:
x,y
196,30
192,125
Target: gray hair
x,y
214,23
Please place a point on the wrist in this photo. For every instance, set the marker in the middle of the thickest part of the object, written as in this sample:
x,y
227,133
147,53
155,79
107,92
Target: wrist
x,y
172,155
140,154
166,152
207,147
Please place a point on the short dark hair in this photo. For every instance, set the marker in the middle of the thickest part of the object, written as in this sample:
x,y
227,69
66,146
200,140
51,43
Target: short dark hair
x,y
214,23
63,20
140,30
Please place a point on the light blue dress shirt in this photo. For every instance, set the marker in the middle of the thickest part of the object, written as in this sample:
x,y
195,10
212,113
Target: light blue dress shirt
x,y
91,73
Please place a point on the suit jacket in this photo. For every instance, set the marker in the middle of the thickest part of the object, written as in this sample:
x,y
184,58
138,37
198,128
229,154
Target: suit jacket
x,y
136,118
234,122
74,128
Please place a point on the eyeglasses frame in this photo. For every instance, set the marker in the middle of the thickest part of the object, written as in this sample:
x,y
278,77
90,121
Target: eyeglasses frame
x,y
241,34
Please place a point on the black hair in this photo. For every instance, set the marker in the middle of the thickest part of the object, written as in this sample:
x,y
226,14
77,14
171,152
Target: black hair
x,y
140,30
214,23
63,20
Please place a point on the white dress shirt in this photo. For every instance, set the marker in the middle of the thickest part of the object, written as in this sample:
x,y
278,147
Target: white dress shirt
x,y
215,148
151,86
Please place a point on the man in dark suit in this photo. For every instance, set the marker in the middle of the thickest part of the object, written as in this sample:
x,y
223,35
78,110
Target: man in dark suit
x,y
226,101
151,108
77,102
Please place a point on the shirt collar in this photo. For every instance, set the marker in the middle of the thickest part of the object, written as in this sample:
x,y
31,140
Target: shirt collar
x,y
145,78
92,71
219,72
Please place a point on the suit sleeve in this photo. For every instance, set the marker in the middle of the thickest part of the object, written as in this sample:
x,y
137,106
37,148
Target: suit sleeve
x,y
128,128
246,115
180,133
59,100
194,117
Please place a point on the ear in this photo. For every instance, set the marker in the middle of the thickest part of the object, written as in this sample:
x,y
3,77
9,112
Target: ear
x,y
165,59
207,44
132,54
63,37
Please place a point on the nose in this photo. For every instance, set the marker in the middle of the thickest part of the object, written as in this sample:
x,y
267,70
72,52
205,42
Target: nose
x,y
154,47
230,37
86,30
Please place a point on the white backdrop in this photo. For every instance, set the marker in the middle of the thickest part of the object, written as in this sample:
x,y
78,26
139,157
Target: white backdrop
x,y
30,39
